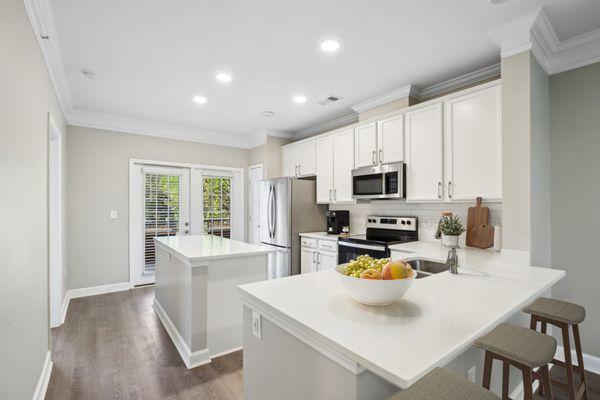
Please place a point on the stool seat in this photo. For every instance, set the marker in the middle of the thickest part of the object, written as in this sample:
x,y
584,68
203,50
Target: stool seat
x,y
557,310
441,384
527,347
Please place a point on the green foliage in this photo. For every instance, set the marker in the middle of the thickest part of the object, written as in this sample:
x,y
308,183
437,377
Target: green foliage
x,y
451,226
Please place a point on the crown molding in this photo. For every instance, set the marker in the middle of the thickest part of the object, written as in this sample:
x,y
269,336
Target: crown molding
x,y
536,34
461,81
117,123
42,21
327,126
396,94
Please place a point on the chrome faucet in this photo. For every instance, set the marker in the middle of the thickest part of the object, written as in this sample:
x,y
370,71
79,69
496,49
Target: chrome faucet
x,y
452,261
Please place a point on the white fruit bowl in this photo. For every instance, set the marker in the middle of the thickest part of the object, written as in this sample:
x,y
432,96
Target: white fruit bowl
x,y
374,292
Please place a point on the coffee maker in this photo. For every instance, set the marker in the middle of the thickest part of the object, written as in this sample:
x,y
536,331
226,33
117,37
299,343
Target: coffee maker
x,y
337,220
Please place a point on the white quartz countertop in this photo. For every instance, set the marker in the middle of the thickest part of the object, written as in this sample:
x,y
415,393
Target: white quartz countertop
x,y
325,235
198,248
438,319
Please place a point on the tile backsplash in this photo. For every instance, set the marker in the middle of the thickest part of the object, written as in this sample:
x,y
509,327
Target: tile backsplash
x,y
428,213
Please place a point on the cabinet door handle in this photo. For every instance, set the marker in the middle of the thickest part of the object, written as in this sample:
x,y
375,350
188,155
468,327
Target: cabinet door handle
x,y
374,162
450,189
314,261
380,156
299,170
334,194
439,190
318,258
330,198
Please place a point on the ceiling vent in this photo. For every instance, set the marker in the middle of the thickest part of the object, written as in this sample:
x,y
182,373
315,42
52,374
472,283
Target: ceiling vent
x,y
328,100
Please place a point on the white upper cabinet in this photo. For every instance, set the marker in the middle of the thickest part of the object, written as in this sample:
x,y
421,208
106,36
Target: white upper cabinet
x,y
299,158
290,157
343,164
365,145
324,169
390,140
424,155
306,158
473,142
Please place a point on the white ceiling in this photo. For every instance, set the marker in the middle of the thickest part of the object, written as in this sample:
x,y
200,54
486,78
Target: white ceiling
x,y
153,56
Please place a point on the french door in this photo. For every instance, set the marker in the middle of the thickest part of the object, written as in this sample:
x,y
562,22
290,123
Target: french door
x,y
160,208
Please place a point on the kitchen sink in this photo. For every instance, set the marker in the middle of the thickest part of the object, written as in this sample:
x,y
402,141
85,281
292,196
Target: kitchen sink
x,y
426,268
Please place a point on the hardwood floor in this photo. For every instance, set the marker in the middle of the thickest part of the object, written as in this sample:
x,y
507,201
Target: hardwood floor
x,y
114,347
593,381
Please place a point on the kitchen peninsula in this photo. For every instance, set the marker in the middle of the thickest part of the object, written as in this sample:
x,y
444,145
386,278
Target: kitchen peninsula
x,y
316,342
196,295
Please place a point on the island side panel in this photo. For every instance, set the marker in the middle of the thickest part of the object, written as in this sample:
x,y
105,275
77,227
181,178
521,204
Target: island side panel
x,y
224,318
280,366
173,292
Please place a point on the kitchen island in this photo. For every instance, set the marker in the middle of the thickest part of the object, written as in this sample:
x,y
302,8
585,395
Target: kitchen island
x,y
196,295
316,342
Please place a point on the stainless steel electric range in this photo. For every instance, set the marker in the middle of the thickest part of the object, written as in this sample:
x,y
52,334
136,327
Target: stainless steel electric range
x,y
382,232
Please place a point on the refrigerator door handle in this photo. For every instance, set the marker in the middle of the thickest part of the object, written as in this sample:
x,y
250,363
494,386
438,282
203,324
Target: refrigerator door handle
x,y
269,223
274,205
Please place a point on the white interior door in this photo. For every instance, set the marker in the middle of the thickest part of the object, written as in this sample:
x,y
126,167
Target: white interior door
x,y
160,208
255,175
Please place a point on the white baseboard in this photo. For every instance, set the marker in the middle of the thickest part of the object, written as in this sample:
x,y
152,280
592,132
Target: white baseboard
x,y
94,290
191,360
222,353
42,384
591,363
64,308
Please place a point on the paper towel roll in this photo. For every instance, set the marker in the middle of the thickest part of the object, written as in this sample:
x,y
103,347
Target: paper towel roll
x,y
497,237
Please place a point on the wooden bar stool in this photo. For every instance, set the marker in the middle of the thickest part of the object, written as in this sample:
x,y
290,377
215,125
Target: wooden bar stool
x,y
562,315
441,384
523,349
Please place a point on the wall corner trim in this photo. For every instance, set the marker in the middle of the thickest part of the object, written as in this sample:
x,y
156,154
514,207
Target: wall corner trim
x,y
42,384
536,34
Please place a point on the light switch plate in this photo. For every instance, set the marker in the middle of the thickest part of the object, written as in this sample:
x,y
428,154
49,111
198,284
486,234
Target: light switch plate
x,y
114,214
471,374
256,325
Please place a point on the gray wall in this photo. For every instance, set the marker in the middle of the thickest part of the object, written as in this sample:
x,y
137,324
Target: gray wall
x,y
575,171
540,167
26,97
98,175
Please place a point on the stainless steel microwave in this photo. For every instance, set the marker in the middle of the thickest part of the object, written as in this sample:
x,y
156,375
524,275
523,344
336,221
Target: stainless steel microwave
x,y
386,181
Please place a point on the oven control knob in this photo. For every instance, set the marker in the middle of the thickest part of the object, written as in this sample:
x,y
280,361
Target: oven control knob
x,y
403,222
408,222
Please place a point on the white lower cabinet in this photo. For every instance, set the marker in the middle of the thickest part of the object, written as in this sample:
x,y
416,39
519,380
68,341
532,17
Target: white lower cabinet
x,y
326,260
317,255
308,260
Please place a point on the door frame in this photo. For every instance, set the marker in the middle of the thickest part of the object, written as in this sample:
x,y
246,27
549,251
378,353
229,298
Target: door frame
x,y
250,199
193,167
56,272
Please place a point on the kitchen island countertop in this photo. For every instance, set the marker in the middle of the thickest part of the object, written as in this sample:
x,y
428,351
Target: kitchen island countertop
x,y
438,319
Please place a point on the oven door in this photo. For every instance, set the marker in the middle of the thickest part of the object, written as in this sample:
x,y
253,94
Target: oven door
x,y
348,251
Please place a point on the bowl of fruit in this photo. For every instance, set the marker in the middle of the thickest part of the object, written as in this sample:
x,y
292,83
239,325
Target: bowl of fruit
x,y
376,282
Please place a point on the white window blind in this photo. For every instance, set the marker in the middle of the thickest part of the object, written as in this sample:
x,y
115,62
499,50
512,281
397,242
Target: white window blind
x,y
216,198
161,212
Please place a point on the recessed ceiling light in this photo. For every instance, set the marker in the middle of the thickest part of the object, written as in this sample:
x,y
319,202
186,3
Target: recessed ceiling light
x,y
224,77
89,74
300,99
267,114
330,44
199,99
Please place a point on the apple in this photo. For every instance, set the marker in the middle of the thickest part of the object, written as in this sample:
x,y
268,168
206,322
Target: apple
x,y
396,270
371,273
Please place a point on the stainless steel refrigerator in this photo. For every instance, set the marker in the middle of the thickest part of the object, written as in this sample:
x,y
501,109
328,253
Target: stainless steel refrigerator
x,y
288,207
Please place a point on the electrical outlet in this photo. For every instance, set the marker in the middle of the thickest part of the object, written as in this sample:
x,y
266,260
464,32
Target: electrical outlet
x,y
471,374
256,325
114,214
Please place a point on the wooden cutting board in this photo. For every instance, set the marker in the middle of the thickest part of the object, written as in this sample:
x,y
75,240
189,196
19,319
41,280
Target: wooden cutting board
x,y
478,217
482,236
